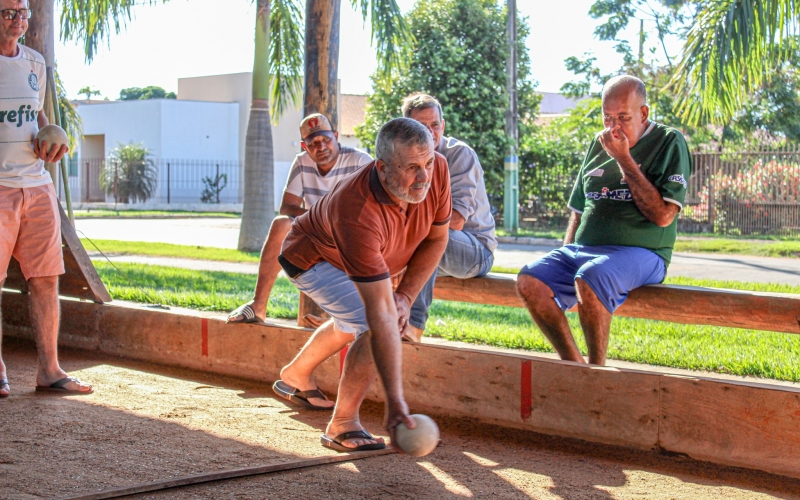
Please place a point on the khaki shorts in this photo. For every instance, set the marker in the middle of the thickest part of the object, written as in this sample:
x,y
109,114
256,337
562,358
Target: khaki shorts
x,y
30,230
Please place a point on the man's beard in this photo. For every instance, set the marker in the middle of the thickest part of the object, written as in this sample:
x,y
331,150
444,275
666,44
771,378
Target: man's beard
x,y
405,193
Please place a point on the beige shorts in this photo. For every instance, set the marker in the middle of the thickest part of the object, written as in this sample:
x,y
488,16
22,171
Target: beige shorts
x,y
30,230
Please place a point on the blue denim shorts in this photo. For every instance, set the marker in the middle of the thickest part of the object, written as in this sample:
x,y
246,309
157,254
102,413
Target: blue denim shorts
x,y
336,294
611,272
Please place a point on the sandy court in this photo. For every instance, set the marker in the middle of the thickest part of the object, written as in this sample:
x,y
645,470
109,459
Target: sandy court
x,y
149,423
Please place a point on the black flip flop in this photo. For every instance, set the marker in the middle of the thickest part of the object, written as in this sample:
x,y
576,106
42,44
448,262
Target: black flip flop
x,y
58,386
336,443
2,383
286,391
246,312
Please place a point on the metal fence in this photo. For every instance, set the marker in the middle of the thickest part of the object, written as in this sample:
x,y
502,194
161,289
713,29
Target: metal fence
x,y
754,192
177,180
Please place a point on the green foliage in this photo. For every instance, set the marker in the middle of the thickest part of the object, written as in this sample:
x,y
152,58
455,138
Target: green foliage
x,y
213,187
550,157
140,94
88,92
459,57
129,173
730,53
70,119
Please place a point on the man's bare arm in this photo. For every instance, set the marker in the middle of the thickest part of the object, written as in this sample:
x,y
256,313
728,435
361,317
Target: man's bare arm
x,y
292,205
572,228
647,198
386,349
422,264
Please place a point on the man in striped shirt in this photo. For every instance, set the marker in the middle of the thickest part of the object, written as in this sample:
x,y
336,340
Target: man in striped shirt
x,y
314,172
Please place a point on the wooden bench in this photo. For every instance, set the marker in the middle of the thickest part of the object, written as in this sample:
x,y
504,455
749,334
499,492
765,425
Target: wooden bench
x,y
773,312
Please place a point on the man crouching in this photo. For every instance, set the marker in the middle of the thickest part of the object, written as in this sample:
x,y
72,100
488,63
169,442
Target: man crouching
x,y
345,253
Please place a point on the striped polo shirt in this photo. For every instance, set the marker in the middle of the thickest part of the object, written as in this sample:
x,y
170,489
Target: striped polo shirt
x,y
306,182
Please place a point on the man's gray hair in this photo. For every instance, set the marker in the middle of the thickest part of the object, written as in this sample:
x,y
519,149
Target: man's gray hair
x,y
624,82
419,101
405,131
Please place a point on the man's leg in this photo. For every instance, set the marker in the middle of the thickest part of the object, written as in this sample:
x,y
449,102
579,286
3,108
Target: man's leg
x,y
464,257
268,267
45,318
548,316
5,390
595,321
324,343
359,373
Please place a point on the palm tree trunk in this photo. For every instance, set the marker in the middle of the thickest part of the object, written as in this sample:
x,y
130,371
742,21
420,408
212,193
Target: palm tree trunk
x,y
41,38
321,84
259,199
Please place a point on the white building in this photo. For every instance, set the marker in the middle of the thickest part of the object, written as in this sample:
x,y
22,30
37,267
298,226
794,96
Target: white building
x,y
199,135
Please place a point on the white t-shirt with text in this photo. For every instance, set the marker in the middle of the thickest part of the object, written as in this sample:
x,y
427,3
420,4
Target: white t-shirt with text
x,y
22,89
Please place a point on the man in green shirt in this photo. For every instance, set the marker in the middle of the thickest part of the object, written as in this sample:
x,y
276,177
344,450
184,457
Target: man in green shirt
x,y
623,224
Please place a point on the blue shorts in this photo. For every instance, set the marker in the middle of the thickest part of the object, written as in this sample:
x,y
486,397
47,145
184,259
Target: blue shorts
x,y
611,272
336,294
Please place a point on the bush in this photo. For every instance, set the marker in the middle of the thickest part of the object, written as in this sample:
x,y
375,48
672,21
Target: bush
x,y
131,171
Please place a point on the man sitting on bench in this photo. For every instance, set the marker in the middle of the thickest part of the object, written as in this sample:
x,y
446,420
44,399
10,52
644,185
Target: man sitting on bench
x,y
469,252
623,224
314,172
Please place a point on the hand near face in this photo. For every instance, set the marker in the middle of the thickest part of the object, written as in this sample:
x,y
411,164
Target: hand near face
x,y
615,142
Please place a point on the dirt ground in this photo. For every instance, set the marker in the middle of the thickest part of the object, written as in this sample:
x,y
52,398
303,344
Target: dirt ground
x,y
147,423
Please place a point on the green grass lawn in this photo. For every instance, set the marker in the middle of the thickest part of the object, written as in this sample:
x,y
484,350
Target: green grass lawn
x,y
725,350
133,214
117,247
766,249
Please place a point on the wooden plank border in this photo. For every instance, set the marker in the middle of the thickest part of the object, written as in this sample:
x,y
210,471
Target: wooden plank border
x,y
728,422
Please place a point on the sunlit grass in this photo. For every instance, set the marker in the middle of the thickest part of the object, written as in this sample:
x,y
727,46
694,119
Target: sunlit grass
x,y
724,350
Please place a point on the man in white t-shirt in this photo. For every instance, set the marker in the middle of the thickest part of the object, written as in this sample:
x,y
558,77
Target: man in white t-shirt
x,y
30,224
314,172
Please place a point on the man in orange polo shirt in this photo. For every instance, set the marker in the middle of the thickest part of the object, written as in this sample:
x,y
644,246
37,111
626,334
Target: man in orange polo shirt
x,y
390,216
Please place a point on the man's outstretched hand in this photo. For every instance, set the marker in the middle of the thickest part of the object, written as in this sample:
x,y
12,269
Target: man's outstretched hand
x,y
396,414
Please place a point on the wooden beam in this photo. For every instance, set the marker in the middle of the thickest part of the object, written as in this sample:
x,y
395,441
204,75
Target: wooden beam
x,y
772,312
80,278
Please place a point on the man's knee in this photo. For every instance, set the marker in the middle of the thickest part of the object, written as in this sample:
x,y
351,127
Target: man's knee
x,y
43,283
532,290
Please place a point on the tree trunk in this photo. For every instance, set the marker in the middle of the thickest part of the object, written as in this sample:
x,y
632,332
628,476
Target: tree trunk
x,y
259,199
321,83
40,37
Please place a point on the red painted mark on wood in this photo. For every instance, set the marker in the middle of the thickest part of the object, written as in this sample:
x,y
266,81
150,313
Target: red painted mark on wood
x,y
342,355
204,323
526,391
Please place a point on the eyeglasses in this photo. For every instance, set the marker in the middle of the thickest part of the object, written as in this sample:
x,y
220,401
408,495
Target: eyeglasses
x,y
11,14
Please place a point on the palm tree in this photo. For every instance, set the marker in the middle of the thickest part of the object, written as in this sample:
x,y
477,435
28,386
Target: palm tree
x,y
389,30
728,53
277,70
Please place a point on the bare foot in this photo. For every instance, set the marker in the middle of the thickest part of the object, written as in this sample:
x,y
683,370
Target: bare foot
x,y
5,389
304,384
336,428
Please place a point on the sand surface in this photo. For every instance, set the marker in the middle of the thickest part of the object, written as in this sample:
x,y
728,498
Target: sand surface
x,y
148,423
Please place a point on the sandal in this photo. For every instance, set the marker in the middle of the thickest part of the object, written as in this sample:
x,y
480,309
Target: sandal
x,y
336,443
245,313
301,398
